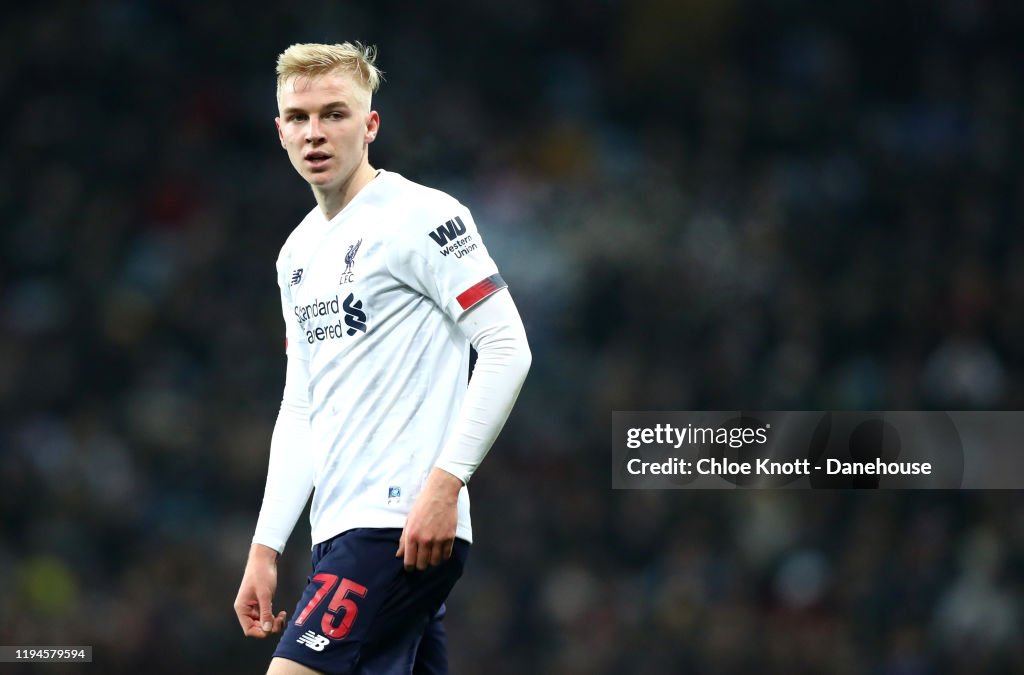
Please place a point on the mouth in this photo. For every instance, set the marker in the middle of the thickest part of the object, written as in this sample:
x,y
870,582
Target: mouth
x,y
317,158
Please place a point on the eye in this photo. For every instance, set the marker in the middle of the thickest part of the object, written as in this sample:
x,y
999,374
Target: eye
x,y
297,117
335,115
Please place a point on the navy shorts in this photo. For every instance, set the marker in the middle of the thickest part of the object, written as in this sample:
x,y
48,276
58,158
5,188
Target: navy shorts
x,y
363,613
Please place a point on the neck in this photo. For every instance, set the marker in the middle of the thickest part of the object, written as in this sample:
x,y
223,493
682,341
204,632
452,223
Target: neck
x,y
331,202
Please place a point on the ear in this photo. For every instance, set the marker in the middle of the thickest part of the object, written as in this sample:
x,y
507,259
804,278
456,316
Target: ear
x,y
372,127
280,134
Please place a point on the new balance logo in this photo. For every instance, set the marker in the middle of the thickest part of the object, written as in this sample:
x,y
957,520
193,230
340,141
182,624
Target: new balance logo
x,y
449,231
296,277
313,641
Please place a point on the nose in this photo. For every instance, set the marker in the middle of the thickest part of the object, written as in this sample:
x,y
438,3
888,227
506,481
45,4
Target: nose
x,y
313,132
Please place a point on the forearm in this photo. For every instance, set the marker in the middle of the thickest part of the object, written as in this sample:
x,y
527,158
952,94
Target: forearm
x,y
290,470
503,360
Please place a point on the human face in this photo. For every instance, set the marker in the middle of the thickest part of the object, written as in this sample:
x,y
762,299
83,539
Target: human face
x,y
325,125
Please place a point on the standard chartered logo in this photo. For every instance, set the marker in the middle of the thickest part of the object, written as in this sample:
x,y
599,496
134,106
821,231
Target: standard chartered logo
x,y
353,321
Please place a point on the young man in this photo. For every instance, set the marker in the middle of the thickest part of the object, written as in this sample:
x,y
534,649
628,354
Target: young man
x,y
384,286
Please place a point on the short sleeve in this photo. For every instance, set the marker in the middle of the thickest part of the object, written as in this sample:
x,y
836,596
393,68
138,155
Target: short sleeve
x,y
447,262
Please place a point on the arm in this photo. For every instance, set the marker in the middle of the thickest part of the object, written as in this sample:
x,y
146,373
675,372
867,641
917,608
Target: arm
x,y
290,473
495,329
289,483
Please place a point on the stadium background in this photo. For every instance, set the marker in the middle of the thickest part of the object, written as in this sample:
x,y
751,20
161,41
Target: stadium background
x,y
712,204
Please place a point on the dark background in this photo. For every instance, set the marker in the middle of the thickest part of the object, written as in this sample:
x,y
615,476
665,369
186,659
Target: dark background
x,y
713,204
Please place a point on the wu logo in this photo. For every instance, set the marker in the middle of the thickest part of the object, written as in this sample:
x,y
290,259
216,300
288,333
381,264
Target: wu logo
x,y
450,230
296,277
350,260
313,641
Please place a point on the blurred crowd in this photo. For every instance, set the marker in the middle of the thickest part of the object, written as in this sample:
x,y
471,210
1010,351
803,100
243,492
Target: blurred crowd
x,y
699,205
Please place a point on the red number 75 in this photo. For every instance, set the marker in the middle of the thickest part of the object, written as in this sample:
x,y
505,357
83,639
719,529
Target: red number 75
x,y
342,611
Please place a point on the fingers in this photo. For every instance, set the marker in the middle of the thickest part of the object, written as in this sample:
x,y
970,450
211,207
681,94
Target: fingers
x,y
280,621
247,610
418,555
252,624
254,603
249,618
420,551
266,615
254,631
437,553
424,554
411,551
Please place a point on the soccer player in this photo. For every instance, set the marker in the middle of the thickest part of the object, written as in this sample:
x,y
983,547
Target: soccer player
x,y
385,284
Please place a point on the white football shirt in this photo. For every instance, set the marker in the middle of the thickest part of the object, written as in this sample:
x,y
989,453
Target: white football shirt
x,y
370,300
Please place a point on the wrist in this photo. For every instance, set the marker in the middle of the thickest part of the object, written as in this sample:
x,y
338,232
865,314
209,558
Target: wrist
x,y
445,483
262,553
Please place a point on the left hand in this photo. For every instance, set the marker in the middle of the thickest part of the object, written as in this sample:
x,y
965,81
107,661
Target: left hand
x,y
429,534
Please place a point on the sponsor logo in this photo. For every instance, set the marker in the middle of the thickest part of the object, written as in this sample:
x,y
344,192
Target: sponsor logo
x,y
313,641
350,260
450,230
394,494
354,318
449,238
296,277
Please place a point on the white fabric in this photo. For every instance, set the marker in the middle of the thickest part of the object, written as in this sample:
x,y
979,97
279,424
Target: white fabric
x,y
290,473
371,300
494,328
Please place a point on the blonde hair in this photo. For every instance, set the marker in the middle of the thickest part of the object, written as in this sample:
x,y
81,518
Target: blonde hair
x,y
314,60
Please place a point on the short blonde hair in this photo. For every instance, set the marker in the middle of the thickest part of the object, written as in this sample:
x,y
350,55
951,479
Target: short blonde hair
x,y
314,60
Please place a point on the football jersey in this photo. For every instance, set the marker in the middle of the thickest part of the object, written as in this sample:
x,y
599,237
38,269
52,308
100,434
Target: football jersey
x,y
370,299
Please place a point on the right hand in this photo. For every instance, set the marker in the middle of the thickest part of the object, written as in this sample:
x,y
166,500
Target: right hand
x,y
253,603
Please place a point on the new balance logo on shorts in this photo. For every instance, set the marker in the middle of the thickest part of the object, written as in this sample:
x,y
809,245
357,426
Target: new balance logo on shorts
x,y
313,641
